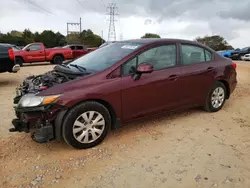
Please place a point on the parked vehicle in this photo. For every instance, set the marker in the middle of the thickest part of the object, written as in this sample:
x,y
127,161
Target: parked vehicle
x,y
13,46
7,59
238,55
246,57
36,52
225,53
79,50
119,83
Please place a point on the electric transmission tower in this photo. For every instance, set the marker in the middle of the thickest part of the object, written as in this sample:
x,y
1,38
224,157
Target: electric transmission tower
x,y
112,12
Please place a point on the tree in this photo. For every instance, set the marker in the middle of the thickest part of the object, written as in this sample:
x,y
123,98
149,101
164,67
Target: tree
x,y
215,42
50,38
150,35
28,36
90,39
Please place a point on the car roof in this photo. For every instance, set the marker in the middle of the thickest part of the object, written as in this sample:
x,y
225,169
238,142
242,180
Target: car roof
x,y
155,40
6,44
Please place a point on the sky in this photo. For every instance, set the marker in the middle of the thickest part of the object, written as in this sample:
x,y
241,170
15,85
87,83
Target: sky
x,y
184,19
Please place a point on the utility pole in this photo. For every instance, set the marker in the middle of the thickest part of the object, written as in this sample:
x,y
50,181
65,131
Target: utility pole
x,y
102,37
74,24
112,12
80,25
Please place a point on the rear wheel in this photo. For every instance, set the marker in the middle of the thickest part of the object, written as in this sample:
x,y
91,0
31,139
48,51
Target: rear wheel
x,y
19,61
216,97
86,125
58,60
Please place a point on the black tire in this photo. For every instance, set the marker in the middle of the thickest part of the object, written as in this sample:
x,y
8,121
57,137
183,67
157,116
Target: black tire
x,y
58,60
208,104
74,113
19,61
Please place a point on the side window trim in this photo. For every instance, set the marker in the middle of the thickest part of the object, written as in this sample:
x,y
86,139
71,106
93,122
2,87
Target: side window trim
x,y
204,50
151,47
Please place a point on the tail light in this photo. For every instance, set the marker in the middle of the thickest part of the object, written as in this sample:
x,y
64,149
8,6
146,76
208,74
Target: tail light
x,y
234,65
11,54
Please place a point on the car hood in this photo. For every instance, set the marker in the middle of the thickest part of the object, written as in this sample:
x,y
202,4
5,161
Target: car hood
x,y
52,82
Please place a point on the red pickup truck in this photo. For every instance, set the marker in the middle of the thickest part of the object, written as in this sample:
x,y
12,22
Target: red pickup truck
x,y
36,52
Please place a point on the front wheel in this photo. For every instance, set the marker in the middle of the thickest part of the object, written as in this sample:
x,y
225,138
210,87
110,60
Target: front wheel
x,y
86,125
216,97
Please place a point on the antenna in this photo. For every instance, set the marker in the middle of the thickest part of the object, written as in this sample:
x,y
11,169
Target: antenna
x,y
112,12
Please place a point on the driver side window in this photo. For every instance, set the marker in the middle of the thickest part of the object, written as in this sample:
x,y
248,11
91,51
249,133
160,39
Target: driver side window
x,y
160,57
35,47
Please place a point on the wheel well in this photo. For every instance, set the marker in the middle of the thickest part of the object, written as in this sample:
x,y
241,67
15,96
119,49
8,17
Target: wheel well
x,y
19,57
58,55
227,87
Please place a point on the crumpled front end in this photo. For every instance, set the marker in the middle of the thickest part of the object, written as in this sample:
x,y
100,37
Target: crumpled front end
x,y
34,115
39,120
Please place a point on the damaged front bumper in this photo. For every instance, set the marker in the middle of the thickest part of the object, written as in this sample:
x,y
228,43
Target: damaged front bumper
x,y
42,122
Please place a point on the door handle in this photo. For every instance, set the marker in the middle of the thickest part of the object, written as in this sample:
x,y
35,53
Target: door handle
x,y
173,77
210,68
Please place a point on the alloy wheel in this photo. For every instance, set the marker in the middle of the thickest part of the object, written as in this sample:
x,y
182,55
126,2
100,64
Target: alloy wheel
x,y
88,127
218,97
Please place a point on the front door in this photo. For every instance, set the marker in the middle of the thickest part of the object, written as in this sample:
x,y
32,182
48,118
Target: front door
x,y
154,91
35,53
197,73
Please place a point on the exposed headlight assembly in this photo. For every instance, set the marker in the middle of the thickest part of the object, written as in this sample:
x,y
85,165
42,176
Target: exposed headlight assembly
x,y
31,100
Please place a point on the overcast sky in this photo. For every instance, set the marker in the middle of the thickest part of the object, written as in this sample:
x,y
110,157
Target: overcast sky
x,y
184,19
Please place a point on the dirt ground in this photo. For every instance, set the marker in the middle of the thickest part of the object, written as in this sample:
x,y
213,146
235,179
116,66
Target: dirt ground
x,y
184,149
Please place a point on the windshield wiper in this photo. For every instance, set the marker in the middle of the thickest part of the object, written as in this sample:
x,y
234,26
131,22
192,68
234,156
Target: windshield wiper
x,y
78,67
64,65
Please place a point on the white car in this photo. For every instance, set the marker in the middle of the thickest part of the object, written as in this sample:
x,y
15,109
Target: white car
x,y
246,57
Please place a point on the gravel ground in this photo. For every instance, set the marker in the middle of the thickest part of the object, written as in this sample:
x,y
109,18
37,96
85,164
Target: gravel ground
x,y
192,148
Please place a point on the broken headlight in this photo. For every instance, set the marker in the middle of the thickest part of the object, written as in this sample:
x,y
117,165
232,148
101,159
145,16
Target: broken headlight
x,y
31,100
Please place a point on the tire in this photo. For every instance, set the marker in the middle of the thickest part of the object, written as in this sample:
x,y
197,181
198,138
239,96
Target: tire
x,y
58,59
74,121
19,61
240,57
211,106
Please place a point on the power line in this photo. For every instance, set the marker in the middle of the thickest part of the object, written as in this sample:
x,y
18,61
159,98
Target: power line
x,y
112,12
34,4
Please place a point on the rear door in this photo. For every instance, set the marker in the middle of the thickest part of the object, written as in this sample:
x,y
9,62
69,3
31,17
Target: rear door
x,y
197,73
155,91
79,51
36,53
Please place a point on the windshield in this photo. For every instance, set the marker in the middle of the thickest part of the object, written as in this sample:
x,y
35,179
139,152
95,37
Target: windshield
x,y
67,46
104,58
15,48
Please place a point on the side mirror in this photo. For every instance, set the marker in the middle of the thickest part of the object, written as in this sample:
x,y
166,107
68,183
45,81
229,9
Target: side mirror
x,y
27,49
144,68
141,69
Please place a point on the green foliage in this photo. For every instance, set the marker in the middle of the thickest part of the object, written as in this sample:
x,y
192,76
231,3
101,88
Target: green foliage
x,y
150,35
50,38
215,42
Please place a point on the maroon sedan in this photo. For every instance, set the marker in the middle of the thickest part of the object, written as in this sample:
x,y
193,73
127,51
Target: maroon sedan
x,y
124,81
